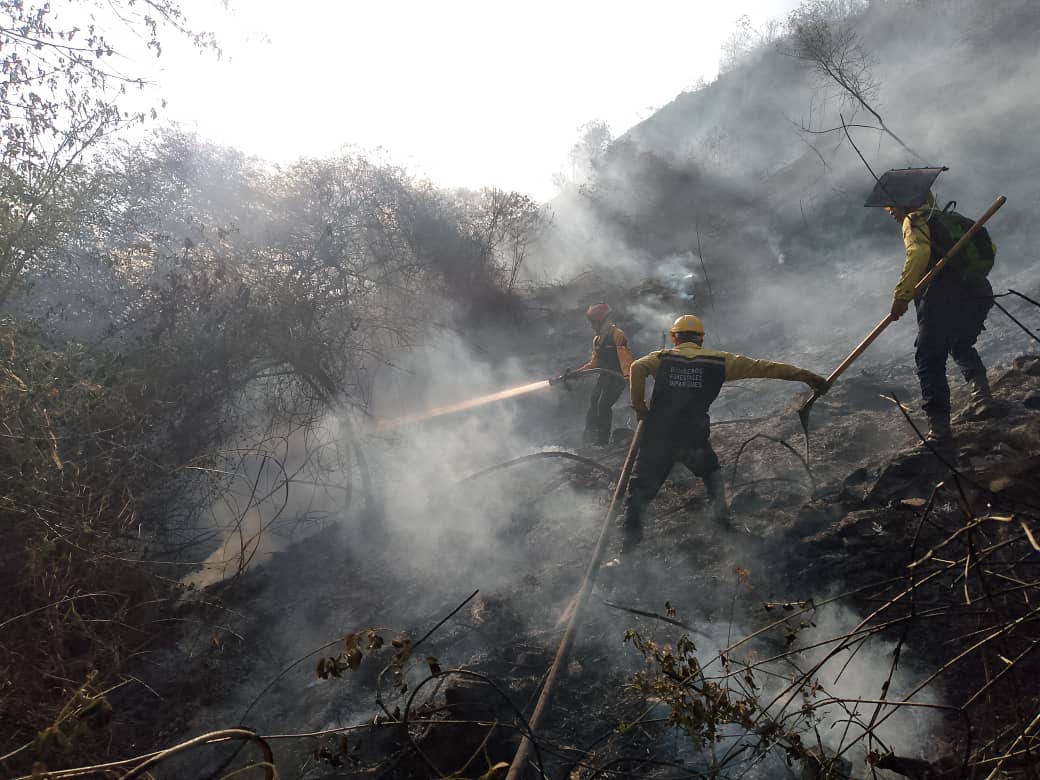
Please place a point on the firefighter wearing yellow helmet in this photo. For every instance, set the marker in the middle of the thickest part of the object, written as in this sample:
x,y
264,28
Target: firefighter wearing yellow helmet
x,y
687,379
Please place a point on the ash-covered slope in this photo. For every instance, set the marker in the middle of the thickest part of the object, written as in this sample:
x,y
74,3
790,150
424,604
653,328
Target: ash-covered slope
x,y
817,575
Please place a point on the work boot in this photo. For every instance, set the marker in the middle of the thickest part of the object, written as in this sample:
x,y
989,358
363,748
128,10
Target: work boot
x,y
632,523
981,405
979,389
715,486
631,536
939,434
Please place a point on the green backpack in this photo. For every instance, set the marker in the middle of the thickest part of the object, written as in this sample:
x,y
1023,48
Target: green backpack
x,y
975,259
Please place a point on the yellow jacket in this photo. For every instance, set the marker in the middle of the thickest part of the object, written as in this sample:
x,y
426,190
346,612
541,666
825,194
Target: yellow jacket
x,y
620,342
737,367
917,238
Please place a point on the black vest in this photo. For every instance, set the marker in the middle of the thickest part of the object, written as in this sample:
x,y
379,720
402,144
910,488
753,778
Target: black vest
x,y
684,389
606,351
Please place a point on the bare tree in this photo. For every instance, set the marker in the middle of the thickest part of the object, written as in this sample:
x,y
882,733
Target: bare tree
x,y
820,34
745,39
586,155
504,223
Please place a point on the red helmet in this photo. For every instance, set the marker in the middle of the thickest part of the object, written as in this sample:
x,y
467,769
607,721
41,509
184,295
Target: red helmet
x,y
596,313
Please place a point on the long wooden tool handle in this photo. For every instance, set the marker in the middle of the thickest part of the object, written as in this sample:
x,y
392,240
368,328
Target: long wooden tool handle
x,y
993,209
918,288
519,763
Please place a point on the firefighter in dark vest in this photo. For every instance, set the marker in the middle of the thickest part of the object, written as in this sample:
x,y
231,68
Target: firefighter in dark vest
x,y
687,379
609,352
951,312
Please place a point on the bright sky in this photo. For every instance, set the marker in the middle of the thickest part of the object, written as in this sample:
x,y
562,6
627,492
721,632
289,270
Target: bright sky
x,y
467,93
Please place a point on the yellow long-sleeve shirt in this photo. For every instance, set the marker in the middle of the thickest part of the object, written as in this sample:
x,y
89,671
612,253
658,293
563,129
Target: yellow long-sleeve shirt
x,y
917,238
737,367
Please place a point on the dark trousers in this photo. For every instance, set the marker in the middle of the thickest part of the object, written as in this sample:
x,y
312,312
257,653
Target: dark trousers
x,y
659,451
950,317
600,415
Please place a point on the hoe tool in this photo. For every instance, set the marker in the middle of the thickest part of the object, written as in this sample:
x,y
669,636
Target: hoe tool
x,y
803,412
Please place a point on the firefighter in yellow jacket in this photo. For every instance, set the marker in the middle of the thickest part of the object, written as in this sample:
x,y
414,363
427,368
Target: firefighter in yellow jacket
x,y
952,309
676,427
610,352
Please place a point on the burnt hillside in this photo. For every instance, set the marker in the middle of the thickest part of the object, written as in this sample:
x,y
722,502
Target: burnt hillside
x,y
237,545
872,572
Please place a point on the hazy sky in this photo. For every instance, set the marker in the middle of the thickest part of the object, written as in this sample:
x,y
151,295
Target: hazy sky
x,y
468,93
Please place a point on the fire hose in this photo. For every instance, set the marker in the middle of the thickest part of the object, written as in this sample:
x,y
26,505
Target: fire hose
x,y
519,761
482,400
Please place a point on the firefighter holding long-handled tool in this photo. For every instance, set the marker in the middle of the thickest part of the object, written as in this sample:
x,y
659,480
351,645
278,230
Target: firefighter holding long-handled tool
x,y
949,320
951,310
687,379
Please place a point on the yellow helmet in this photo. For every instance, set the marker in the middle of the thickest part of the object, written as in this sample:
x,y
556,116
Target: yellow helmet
x,y
688,323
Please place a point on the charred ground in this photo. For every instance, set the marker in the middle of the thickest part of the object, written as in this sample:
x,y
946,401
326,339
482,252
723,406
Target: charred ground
x,y
849,582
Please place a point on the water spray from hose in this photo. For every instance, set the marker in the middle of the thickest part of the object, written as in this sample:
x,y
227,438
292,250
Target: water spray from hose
x,y
461,406
490,398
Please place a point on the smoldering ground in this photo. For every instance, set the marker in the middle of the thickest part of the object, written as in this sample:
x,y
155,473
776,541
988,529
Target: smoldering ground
x,y
424,465
423,538
523,536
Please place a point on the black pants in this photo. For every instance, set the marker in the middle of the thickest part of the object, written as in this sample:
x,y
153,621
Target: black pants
x,y
600,415
950,317
659,451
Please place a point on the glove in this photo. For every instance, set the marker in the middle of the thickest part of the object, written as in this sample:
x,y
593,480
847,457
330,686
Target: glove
x,y
641,413
817,382
898,309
